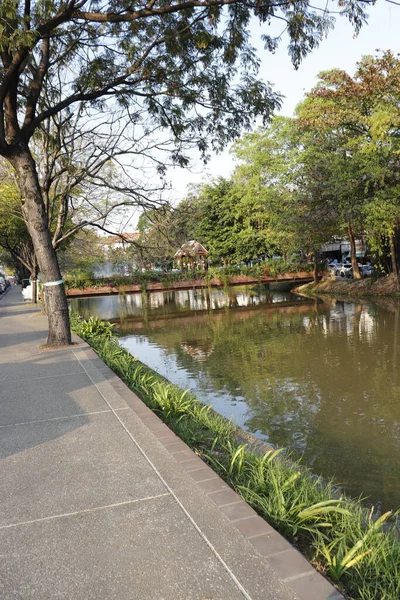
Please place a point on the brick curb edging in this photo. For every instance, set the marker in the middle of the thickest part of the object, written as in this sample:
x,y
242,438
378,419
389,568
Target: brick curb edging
x,y
289,564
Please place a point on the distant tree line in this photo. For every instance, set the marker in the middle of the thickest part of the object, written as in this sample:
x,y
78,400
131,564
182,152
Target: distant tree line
x,y
331,171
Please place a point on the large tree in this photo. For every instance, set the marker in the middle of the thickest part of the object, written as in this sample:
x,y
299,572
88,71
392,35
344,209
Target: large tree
x,y
188,64
269,159
351,130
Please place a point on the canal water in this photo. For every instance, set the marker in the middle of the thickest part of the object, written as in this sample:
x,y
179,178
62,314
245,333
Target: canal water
x,y
319,377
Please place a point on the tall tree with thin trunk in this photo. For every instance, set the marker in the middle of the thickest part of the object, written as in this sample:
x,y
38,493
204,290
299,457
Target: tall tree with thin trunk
x,y
186,64
353,125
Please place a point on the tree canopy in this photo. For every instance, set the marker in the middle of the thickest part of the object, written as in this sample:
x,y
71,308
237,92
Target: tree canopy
x,y
353,126
333,171
183,69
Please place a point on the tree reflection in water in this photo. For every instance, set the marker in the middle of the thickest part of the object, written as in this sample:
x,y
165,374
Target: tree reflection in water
x,y
319,377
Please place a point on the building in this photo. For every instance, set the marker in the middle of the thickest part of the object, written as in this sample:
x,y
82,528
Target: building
x,y
113,242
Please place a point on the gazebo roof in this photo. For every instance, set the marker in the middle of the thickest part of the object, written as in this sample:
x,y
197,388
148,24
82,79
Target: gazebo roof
x,y
191,249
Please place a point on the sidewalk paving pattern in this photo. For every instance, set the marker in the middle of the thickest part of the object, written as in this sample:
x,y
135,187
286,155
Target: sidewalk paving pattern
x,y
100,500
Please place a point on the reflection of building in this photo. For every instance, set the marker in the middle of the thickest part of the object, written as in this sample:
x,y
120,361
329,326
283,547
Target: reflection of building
x,y
193,255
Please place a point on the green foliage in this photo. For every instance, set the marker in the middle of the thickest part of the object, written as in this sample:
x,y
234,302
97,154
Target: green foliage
x,y
93,327
219,226
138,278
80,279
351,127
14,236
268,206
164,230
81,255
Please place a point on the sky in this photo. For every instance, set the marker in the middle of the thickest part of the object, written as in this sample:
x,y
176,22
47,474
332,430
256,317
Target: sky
x,y
341,49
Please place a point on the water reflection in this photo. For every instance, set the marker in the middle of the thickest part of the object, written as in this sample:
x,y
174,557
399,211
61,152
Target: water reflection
x,y
139,306
320,377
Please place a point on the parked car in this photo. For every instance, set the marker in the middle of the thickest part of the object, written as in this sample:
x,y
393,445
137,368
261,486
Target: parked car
x,y
3,284
334,268
347,270
367,270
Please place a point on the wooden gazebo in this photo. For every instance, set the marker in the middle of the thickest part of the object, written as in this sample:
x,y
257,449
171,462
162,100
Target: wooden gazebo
x,y
193,255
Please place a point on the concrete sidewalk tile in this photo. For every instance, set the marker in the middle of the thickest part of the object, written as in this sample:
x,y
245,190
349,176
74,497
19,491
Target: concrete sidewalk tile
x,y
289,564
253,526
134,402
215,484
110,396
167,439
157,426
91,354
224,497
271,543
130,395
164,433
143,410
104,387
257,576
174,446
316,587
42,364
68,465
143,551
184,456
48,398
237,511
201,474
193,465
150,419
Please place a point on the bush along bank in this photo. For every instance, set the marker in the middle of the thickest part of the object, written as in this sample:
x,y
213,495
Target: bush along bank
x,y
355,549
272,268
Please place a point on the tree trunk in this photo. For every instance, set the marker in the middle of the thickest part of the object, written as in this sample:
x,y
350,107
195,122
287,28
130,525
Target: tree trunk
x,y
396,237
395,266
356,270
34,283
316,265
37,224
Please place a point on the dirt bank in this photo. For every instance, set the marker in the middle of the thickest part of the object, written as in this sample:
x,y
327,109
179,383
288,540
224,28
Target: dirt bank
x,y
384,286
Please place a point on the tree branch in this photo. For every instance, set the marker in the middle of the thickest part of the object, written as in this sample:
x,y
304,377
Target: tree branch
x,y
37,83
146,12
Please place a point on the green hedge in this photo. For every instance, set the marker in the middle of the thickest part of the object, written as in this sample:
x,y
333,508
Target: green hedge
x,y
273,267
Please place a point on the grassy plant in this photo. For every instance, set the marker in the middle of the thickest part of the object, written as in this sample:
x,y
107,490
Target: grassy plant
x,y
339,557
345,542
95,327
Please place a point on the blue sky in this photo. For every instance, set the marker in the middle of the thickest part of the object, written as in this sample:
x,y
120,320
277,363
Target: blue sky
x,y
339,50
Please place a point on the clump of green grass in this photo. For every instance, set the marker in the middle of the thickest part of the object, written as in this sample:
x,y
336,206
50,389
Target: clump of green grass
x,y
93,327
358,550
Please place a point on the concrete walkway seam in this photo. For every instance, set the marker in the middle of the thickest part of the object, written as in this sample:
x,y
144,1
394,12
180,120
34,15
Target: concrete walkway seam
x,y
84,511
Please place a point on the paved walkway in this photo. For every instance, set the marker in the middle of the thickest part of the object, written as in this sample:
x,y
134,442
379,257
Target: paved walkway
x,y
100,500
